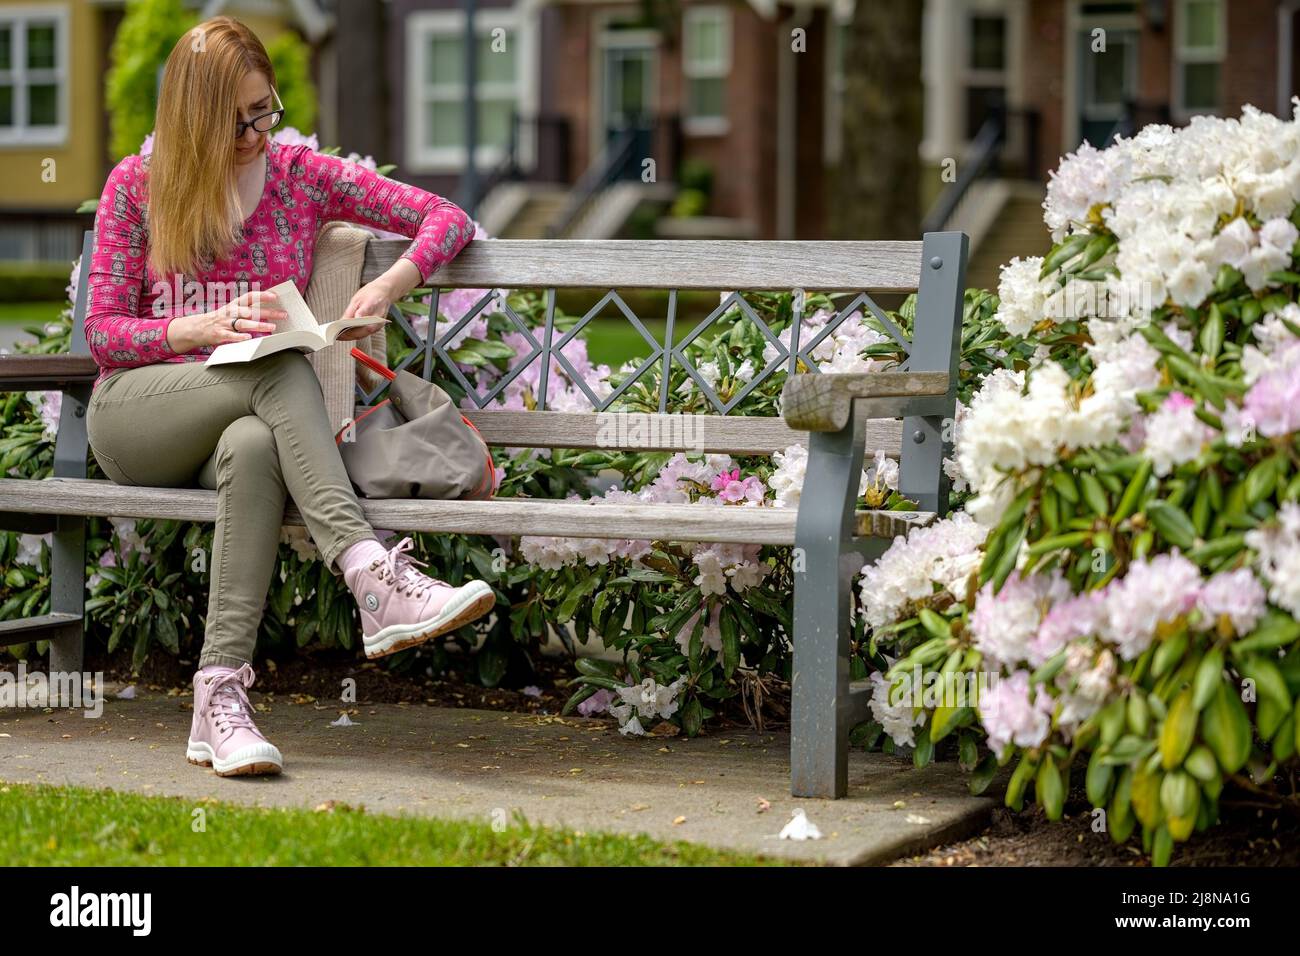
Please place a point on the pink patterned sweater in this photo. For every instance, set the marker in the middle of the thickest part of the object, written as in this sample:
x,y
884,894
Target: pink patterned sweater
x,y
129,307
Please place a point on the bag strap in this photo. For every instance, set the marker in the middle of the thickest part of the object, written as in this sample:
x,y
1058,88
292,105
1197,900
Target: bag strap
x,y
379,368
372,363
491,465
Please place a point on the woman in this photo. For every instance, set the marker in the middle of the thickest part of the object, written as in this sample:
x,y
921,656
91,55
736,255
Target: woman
x,y
203,212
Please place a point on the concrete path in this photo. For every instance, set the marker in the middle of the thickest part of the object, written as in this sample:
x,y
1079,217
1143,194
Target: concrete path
x,y
728,790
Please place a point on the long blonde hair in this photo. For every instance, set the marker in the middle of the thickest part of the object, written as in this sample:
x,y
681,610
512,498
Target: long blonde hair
x,y
193,203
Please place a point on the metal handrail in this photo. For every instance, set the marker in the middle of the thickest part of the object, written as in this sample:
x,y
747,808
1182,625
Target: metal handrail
x,y
607,167
985,149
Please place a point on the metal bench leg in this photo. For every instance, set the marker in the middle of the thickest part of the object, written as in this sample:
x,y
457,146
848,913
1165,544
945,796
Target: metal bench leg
x,y
68,550
68,594
820,708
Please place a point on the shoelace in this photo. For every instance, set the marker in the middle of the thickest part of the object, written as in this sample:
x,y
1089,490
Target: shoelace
x,y
228,700
398,565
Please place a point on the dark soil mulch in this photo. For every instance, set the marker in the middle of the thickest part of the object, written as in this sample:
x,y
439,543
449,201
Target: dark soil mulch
x,y
1244,836
320,675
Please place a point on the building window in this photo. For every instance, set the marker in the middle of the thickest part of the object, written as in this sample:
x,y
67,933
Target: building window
x,y
984,78
33,76
706,62
436,88
1199,56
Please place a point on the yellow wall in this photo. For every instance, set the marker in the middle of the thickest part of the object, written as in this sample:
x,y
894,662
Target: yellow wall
x,y
79,160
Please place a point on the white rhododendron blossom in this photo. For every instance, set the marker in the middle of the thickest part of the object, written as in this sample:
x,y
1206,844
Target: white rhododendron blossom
x,y
940,557
1276,349
1173,199
893,708
1085,682
1278,547
1023,296
645,701
1174,435
1010,429
1152,593
792,468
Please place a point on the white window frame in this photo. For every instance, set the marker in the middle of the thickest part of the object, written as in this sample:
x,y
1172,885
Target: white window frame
x,y
693,70
1192,56
420,26
20,77
969,75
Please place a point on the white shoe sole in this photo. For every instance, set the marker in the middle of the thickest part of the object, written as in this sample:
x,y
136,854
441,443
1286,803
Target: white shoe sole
x,y
471,602
257,759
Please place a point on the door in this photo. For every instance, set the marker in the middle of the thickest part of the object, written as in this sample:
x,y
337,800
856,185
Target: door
x,y
627,86
1107,57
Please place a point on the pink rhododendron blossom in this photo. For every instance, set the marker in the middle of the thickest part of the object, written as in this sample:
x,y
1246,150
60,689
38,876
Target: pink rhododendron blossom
x,y
1013,714
731,488
597,703
289,136
1236,595
1151,594
710,635
1067,621
1273,402
1005,625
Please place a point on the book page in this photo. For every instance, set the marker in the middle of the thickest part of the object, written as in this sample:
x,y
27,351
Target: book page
x,y
331,330
300,317
250,350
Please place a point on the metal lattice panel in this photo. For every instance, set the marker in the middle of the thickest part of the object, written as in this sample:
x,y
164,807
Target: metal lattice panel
x,y
435,346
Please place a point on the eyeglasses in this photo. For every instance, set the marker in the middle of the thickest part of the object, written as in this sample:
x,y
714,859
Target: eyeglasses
x,y
264,123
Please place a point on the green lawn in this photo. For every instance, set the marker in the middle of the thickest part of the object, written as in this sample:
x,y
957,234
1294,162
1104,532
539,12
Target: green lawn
x,y
30,313
75,826
614,341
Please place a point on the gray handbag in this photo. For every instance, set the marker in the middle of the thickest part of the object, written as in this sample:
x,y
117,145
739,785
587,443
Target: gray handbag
x,y
415,444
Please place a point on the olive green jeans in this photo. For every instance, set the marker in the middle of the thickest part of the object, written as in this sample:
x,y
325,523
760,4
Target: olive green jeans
x,y
255,433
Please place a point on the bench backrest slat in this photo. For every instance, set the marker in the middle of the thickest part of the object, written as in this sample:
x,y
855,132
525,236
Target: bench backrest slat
x,y
660,264
635,431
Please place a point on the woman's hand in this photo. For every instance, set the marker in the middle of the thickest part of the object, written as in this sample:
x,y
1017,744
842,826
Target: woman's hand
x,y
235,321
374,298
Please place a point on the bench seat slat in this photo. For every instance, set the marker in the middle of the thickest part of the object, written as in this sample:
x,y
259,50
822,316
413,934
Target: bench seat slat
x,y
502,516
40,628
636,431
21,373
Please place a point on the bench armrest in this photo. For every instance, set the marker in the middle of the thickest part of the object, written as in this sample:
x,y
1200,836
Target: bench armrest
x,y
820,403
46,373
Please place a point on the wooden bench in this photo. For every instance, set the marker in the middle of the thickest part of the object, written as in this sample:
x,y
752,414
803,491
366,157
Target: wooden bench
x,y
838,416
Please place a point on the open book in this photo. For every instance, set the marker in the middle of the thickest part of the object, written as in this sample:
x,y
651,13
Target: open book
x,y
301,331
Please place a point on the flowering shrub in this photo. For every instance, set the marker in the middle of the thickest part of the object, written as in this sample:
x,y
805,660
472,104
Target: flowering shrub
x,y
1116,588
1123,579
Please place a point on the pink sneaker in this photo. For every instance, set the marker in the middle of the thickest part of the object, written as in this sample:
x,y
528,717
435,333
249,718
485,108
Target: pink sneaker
x,y
402,607
222,733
